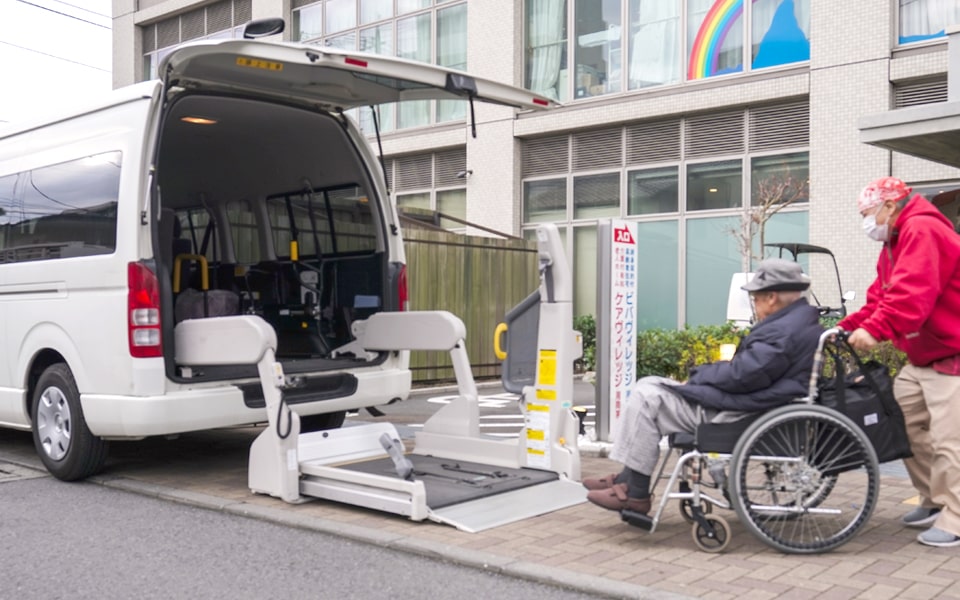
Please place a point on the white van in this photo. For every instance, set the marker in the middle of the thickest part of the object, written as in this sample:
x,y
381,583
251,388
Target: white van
x,y
235,185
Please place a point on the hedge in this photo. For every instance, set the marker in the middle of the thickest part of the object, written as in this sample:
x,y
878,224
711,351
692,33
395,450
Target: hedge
x,y
674,352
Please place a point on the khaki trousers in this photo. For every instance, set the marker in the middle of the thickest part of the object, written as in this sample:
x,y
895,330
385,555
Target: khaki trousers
x,y
931,408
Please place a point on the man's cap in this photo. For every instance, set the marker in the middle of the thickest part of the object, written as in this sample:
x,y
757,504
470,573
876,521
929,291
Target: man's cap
x,y
882,190
777,275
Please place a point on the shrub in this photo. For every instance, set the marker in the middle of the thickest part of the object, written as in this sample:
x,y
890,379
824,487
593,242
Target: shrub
x,y
587,326
674,352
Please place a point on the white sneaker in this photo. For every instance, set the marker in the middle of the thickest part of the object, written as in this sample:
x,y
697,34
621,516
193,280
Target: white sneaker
x,y
920,517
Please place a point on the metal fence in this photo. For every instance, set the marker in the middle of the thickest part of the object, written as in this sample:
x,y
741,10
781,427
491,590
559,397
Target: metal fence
x,y
475,277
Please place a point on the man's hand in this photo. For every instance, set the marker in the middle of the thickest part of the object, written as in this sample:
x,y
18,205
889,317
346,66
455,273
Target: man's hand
x,y
861,339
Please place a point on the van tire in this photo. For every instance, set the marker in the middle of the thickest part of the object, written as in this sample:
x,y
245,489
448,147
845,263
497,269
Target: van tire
x,y
60,433
332,420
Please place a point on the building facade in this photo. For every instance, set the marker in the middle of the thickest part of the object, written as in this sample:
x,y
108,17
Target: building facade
x,y
682,115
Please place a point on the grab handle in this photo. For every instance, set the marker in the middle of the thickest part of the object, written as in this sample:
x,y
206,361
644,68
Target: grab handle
x,y
497,350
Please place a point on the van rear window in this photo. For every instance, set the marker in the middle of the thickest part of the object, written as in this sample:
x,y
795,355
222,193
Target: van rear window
x,y
60,211
331,222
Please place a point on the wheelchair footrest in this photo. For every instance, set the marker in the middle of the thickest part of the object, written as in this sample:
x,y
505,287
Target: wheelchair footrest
x,y
637,519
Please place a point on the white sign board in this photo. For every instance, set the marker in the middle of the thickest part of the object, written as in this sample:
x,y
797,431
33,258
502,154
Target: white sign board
x,y
622,332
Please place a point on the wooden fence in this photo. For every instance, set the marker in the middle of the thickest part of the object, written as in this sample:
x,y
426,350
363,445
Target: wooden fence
x,y
476,278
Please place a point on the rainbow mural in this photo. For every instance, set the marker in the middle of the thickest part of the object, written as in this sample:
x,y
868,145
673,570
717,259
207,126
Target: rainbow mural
x,y
717,23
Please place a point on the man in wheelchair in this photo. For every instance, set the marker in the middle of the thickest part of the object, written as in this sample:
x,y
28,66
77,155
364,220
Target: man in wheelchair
x,y
771,368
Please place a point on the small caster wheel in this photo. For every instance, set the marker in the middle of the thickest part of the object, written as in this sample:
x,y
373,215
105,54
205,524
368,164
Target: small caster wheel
x,y
718,540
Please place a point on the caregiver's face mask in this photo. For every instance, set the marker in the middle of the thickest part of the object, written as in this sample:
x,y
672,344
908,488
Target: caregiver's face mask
x,y
880,233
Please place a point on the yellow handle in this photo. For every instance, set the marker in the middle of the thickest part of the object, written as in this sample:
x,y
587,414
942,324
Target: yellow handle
x,y
204,276
497,350
294,251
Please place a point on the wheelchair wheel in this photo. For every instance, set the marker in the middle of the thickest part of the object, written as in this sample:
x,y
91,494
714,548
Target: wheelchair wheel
x,y
804,479
715,539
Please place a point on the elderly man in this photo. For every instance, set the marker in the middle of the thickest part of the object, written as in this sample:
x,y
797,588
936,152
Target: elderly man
x,y
770,368
915,303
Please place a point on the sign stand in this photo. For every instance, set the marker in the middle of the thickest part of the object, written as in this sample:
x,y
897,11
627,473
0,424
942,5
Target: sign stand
x,y
616,322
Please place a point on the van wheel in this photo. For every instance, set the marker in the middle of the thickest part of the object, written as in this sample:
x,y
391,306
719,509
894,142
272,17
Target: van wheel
x,y
60,434
332,420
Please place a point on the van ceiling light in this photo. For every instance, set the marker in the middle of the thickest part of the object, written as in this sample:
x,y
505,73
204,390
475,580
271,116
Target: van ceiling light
x,y
713,190
199,120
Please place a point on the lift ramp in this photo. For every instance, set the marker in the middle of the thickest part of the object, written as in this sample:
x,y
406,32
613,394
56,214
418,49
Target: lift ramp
x,y
453,474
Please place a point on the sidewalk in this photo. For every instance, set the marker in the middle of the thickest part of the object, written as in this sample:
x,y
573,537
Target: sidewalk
x,y
582,547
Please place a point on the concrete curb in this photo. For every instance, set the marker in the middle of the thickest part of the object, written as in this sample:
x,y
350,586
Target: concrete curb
x,y
485,561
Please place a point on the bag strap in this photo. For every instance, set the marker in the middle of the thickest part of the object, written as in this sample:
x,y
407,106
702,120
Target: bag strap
x,y
839,381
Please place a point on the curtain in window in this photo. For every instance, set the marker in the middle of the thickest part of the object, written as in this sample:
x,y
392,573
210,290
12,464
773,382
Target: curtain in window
x,y
925,19
545,30
654,42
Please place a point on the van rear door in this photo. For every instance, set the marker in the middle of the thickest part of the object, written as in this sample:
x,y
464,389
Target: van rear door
x,y
330,77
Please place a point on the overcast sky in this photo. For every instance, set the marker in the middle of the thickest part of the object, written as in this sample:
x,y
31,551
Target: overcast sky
x,y
52,52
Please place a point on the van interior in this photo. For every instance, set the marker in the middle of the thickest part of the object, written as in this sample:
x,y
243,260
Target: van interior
x,y
268,209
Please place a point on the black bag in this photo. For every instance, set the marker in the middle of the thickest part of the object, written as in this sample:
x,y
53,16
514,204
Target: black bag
x,y
865,395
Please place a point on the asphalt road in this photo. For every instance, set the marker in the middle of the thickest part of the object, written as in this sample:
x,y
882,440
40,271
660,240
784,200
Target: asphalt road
x,y
83,540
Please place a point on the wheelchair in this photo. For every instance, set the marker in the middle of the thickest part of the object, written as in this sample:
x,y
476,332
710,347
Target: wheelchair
x,y
803,478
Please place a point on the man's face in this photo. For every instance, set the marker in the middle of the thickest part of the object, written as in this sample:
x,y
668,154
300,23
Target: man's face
x,y
764,304
883,212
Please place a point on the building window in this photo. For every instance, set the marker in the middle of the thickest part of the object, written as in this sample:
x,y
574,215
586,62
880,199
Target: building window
x,y
715,185
654,43
430,31
221,20
620,45
922,20
689,198
431,187
652,191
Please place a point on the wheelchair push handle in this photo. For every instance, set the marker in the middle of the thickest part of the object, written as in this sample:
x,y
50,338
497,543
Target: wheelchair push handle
x,y
832,334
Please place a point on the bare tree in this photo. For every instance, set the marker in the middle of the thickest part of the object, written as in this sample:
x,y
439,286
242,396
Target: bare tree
x,y
771,194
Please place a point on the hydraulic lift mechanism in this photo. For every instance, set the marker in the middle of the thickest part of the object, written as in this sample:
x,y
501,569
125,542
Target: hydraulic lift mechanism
x,y
453,474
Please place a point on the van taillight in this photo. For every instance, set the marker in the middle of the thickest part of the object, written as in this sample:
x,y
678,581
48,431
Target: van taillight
x,y
143,312
402,297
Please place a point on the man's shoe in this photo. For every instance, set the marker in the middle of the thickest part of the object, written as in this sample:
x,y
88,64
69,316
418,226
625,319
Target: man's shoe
x,y
939,538
920,517
615,498
601,483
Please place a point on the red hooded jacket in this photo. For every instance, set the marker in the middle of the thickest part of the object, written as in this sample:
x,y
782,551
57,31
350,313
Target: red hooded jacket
x,y
915,300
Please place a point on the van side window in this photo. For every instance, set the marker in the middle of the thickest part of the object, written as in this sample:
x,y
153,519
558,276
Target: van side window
x,y
337,220
243,229
60,211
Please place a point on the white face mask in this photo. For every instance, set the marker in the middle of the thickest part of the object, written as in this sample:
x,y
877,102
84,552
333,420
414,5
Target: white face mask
x,y
880,233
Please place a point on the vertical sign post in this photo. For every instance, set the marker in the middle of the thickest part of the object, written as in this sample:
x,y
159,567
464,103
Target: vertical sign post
x,y
616,322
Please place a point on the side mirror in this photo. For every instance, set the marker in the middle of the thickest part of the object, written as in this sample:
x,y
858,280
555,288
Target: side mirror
x,y
263,28
849,295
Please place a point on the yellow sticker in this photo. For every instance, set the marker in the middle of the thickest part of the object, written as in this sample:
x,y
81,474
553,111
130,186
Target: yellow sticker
x,y
546,394
256,63
535,451
537,407
547,370
535,434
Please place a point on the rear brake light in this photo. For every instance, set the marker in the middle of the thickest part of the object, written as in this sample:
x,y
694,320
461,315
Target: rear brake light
x,y
402,297
143,312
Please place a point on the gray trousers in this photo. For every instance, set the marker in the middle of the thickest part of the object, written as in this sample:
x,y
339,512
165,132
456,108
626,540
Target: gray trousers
x,y
653,411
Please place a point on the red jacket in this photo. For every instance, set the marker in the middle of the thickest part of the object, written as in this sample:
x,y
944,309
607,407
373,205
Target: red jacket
x,y
915,300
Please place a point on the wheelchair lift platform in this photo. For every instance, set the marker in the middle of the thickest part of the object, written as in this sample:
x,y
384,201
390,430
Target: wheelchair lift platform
x,y
453,474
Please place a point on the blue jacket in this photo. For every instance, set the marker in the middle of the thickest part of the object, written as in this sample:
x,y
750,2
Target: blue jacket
x,y
771,367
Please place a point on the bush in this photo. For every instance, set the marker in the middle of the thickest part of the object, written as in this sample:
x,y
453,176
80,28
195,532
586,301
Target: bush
x,y
587,326
674,352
